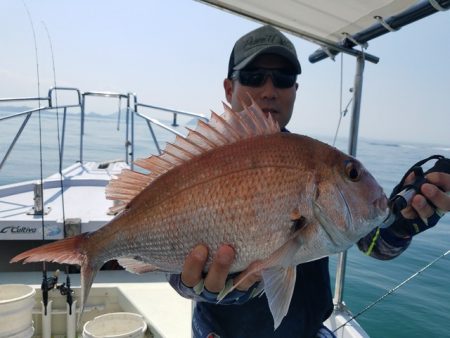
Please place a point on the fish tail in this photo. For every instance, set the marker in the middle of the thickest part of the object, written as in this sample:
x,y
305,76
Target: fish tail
x,y
69,251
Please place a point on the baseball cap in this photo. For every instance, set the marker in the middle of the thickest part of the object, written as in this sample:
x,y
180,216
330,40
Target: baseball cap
x,y
264,40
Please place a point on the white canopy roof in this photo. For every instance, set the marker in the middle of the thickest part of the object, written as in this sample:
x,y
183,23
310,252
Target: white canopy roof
x,y
328,22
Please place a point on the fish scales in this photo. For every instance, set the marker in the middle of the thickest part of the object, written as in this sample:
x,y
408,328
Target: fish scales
x,y
245,200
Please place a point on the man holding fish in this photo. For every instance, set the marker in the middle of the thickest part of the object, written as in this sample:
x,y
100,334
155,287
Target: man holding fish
x,y
263,65
241,193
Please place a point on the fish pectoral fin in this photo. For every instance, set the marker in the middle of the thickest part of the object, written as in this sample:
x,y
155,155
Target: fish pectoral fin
x,y
133,265
279,285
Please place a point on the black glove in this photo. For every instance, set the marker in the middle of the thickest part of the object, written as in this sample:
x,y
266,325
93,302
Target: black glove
x,y
403,227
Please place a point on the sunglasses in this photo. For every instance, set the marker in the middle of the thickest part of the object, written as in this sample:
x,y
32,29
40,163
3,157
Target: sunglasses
x,y
257,77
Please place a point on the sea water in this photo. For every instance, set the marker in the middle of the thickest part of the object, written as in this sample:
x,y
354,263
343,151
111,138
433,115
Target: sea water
x,y
420,308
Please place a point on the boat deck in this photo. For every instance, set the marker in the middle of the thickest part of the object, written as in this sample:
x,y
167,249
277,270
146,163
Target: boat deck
x,y
166,313
86,208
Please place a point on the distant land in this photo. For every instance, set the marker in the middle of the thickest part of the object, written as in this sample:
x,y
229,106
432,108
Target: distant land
x,y
10,110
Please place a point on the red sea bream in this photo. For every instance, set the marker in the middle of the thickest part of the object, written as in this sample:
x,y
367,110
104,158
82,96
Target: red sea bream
x,y
277,198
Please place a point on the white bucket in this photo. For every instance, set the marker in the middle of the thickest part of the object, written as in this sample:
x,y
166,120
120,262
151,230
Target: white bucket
x,y
115,325
16,304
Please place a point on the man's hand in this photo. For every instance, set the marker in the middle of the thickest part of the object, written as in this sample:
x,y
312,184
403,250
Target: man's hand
x,y
218,271
419,204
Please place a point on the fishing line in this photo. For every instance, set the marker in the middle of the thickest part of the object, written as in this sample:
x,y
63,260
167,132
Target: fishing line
x,y
340,99
342,112
44,267
39,112
57,129
393,289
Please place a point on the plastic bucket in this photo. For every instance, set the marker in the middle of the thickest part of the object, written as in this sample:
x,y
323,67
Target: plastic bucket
x,y
115,325
16,304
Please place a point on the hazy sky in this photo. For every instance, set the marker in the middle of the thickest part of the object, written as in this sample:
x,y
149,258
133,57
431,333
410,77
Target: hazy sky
x,y
175,53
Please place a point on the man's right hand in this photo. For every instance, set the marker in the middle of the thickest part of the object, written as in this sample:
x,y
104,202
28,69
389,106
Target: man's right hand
x,y
218,270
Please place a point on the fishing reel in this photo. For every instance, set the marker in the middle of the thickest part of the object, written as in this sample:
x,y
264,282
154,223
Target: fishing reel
x,y
402,195
51,283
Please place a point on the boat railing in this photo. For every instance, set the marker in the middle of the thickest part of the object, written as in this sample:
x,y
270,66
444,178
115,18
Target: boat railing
x,y
27,113
151,121
132,108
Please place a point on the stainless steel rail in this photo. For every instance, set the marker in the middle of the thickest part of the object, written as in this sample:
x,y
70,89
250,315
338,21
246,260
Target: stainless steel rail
x,y
132,106
352,146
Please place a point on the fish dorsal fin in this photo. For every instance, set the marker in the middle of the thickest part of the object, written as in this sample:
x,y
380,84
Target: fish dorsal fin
x,y
228,128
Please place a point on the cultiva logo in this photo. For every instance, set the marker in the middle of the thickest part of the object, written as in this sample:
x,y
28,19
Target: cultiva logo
x,y
17,229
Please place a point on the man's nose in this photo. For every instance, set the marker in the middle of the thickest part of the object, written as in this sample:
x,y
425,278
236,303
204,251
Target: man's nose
x,y
268,90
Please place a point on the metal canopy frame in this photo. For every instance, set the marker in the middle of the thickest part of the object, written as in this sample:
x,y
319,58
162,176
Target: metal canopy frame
x,y
329,49
391,24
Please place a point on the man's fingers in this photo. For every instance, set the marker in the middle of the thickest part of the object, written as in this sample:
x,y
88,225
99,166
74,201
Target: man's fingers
x,y
422,207
219,269
439,198
433,192
193,266
441,180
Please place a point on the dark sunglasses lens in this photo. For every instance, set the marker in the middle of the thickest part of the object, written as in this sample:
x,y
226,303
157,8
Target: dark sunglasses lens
x,y
252,78
281,80
256,78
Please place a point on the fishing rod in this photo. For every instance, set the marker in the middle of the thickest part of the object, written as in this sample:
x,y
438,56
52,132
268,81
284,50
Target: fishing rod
x,y
391,291
47,283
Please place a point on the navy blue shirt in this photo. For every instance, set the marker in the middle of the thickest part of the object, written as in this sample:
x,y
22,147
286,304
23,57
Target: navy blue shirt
x,y
311,304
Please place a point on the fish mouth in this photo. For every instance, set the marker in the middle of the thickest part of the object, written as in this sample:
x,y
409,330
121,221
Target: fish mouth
x,y
381,205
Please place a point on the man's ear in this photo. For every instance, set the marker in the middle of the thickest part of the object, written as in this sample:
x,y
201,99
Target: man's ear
x,y
228,86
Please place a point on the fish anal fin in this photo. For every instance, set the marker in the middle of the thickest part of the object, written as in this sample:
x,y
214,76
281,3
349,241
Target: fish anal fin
x,y
134,265
279,285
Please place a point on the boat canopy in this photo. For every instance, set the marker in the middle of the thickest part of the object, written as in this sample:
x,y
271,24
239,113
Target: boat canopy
x,y
336,26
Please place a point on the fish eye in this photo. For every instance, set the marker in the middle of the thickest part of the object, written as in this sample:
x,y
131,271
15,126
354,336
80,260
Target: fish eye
x,y
353,171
